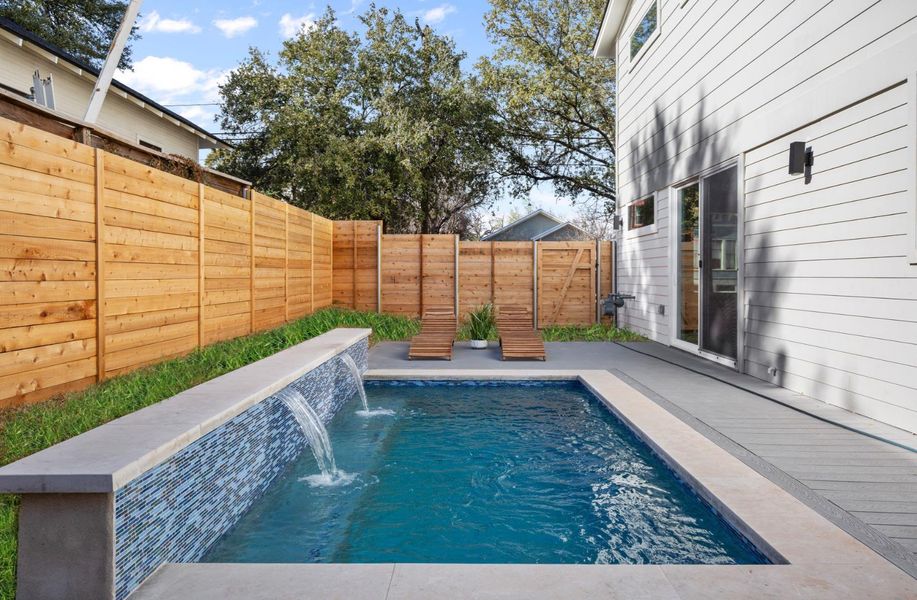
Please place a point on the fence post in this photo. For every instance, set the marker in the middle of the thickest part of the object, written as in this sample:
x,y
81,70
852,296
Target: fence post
x,y
455,276
100,264
312,263
251,246
421,276
598,278
378,268
286,262
200,264
493,277
354,223
535,284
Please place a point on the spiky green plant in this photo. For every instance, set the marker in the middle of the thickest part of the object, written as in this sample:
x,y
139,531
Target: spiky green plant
x,y
481,322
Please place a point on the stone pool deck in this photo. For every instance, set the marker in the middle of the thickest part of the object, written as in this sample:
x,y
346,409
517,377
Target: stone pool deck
x,y
812,557
823,455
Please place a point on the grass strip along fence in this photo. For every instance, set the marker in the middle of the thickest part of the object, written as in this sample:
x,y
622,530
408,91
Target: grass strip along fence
x,y
28,429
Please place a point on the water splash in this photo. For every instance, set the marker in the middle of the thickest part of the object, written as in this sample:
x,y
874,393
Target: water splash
x,y
361,389
357,378
315,432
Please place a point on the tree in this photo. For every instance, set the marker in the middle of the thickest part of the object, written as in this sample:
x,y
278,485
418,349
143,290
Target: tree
x,y
84,28
384,125
554,100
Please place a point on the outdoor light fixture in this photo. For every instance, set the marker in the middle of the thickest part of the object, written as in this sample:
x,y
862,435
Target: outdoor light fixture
x,y
800,158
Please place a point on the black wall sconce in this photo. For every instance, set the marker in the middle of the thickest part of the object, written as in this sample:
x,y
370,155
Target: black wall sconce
x,y
801,160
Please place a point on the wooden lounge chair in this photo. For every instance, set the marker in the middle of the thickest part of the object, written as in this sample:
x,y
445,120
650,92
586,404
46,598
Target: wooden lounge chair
x,y
437,335
518,337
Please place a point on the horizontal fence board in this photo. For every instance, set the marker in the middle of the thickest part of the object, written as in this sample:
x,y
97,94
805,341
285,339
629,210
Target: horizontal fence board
x,y
176,264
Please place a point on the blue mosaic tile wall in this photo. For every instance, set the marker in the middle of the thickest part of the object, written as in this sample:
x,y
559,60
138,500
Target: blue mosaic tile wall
x,y
177,510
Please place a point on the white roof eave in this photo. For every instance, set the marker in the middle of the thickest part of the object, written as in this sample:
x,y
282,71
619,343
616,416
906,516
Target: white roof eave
x,y
615,12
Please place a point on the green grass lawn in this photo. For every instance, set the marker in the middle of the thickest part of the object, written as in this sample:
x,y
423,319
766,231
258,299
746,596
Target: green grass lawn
x,y
573,333
27,430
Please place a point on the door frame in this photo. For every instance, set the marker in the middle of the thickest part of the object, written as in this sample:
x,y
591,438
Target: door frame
x,y
673,244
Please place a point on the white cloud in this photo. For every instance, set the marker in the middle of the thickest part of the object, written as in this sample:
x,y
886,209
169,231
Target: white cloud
x,y
438,14
171,81
233,27
153,22
290,25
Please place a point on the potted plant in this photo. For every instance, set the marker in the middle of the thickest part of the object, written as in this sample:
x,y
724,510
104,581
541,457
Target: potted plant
x,y
480,324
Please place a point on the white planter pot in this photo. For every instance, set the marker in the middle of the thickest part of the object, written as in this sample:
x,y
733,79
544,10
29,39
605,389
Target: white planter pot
x,y
479,344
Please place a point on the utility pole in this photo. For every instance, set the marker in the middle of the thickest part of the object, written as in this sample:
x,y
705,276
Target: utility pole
x,y
111,61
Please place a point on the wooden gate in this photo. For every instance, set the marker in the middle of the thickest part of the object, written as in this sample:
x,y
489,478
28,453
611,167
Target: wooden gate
x,y
566,283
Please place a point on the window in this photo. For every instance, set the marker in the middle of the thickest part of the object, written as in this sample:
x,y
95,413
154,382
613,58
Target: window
x,y
644,31
641,213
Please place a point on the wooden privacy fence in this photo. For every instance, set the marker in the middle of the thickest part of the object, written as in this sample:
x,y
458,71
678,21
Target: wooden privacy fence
x,y
559,282
109,265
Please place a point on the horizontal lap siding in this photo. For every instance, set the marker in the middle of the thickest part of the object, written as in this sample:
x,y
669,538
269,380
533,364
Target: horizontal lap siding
x,y
476,275
829,297
514,275
227,266
831,301
174,273
151,281
401,274
438,271
355,241
299,263
566,283
642,270
48,275
270,262
322,261
716,64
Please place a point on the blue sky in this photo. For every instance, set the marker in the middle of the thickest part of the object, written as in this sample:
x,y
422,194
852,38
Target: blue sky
x,y
188,47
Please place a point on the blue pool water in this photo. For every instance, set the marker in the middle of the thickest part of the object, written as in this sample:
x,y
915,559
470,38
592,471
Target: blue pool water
x,y
484,473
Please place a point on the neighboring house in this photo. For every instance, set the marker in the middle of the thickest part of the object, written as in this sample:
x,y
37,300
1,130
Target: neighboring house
x,y
806,279
126,112
537,225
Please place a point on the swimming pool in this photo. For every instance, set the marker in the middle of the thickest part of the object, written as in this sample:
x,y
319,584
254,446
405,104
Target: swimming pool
x,y
483,472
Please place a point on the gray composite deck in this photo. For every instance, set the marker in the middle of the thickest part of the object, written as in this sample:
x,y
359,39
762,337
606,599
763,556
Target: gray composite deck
x,y
859,473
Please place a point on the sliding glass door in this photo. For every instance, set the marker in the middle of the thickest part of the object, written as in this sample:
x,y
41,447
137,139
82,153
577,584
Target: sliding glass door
x,y
687,253
707,264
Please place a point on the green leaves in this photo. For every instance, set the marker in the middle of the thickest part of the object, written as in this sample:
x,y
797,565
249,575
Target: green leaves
x,y
554,100
84,28
481,322
379,126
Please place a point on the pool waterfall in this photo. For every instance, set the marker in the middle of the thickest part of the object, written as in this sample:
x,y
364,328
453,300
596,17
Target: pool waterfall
x,y
361,388
315,432
357,378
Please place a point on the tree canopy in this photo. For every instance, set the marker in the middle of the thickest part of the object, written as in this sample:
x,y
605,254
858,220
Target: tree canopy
x,y
84,28
383,125
554,100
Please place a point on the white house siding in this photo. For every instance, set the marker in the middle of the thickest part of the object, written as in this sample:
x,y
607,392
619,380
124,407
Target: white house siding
x,y
643,271
71,91
830,298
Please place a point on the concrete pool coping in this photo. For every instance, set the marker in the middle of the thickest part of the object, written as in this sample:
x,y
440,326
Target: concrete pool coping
x,y
815,558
